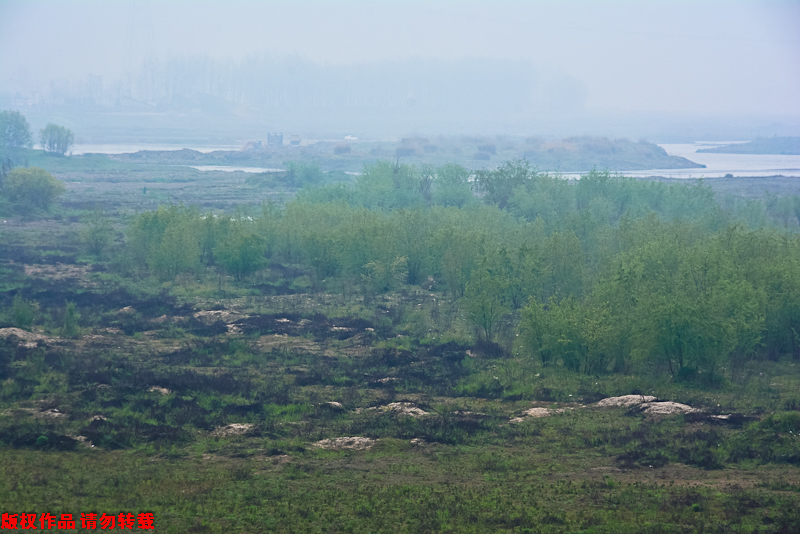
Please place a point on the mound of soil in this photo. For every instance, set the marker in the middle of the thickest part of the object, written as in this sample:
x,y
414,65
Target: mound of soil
x,y
535,413
665,408
352,443
234,429
401,408
24,338
625,401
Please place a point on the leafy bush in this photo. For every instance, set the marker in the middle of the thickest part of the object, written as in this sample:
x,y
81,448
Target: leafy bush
x,y
32,188
23,312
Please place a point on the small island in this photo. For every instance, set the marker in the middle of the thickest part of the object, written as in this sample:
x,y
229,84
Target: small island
x,y
573,154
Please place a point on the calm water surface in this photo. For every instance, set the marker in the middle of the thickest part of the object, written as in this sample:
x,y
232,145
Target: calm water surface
x,y
718,165
231,168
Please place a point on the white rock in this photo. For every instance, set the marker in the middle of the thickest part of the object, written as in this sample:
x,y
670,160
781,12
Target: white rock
x,y
234,429
351,443
625,400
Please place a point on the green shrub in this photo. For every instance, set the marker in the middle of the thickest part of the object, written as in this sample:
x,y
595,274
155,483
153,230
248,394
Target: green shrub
x,y
23,312
32,188
71,317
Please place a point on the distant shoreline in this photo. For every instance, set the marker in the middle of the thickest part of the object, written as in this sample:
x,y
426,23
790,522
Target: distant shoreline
x,y
775,146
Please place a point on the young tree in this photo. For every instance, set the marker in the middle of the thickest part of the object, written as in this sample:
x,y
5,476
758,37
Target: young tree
x,y
178,252
452,187
564,265
56,139
484,303
385,185
242,254
32,188
23,312
413,239
532,331
14,130
302,174
457,261
5,167
149,229
497,186
98,233
71,318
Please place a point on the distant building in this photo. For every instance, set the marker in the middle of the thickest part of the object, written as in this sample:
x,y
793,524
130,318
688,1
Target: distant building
x,y
351,138
294,140
275,139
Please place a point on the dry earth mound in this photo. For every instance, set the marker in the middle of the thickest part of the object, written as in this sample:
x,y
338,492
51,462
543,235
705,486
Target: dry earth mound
x,y
352,443
26,339
235,429
665,408
536,412
625,400
399,408
647,405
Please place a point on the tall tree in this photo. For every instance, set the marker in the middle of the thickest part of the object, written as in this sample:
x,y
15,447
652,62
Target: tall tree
x,y
56,139
498,186
484,302
242,253
14,130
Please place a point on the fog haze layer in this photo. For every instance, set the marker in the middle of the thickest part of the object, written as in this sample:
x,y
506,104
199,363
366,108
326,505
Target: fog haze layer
x,y
503,63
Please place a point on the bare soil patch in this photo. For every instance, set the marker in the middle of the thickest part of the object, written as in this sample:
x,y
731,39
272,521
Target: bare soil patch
x,y
537,412
60,271
234,429
24,338
399,408
348,443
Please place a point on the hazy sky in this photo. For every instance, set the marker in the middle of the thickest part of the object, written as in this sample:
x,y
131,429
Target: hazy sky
x,y
700,57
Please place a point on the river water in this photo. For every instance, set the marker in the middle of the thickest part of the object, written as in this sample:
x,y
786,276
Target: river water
x,y
717,165
231,168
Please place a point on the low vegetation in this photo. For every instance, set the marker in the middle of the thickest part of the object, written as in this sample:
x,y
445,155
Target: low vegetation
x,y
418,349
